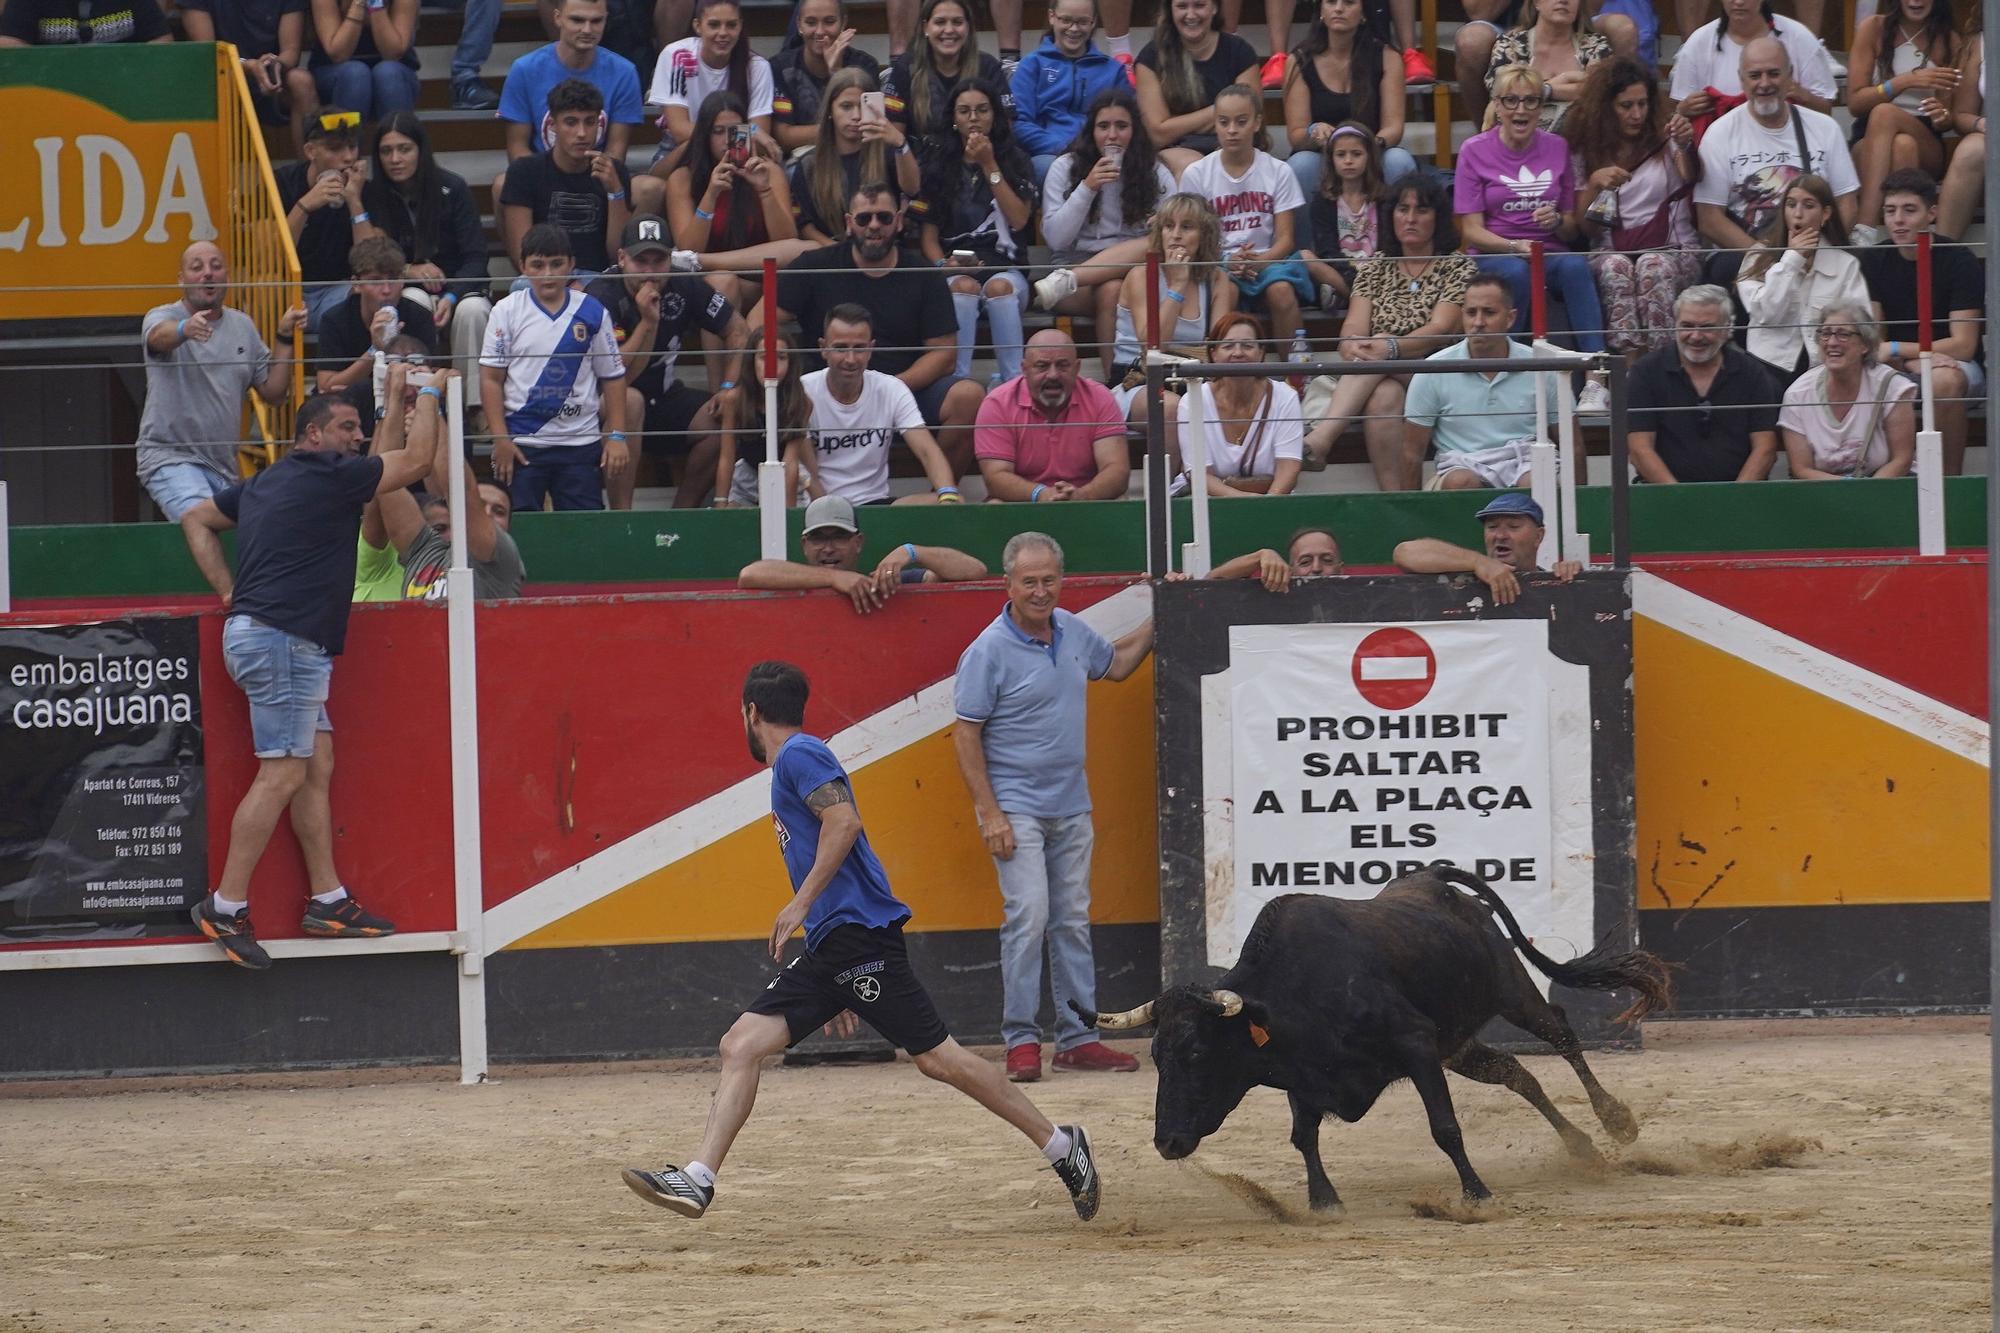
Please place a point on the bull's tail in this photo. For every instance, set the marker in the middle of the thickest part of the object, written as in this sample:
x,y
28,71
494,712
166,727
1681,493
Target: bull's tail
x,y
1649,976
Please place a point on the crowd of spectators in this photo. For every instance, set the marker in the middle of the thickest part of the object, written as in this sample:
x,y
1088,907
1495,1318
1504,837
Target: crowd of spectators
x,y
901,204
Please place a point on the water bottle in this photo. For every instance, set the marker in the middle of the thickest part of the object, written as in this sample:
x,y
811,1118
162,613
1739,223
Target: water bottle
x,y
1301,355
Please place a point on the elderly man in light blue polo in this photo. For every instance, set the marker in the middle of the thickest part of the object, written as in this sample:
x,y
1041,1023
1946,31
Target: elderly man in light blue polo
x,y
1482,424
1020,740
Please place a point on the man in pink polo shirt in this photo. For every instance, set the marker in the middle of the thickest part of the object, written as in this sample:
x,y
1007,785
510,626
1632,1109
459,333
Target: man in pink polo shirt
x,y
1047,435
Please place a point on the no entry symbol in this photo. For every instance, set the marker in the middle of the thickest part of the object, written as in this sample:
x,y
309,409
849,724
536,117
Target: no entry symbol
x,y
1394,668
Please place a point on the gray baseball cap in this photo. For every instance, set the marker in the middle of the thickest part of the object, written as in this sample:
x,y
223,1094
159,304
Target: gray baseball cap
x,y
830,511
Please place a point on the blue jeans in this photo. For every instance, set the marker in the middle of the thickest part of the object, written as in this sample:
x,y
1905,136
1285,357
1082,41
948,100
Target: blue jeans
x,y
286,679
570,475
1045,894
1003,318
1309,165
373,90
1569,278
1042,163
179,487
475,38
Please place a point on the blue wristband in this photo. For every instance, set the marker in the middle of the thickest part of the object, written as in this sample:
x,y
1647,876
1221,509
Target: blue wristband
x,y
911,549
617,435
181,330
431,391
614,194
705,217
1036,494
1174,296
727,385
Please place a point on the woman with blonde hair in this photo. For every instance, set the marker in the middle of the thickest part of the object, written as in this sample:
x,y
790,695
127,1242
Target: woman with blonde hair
x,y
1195,293
850,148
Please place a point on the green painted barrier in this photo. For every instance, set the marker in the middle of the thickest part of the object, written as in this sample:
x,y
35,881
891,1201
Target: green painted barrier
x,y
711,545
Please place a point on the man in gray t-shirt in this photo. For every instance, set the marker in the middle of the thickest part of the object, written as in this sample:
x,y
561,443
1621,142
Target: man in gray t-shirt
x,y
201,359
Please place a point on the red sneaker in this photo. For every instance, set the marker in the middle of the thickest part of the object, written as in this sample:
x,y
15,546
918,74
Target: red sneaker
x,y
1095,1056
1024,1062
1274,70
1418,72
1131,65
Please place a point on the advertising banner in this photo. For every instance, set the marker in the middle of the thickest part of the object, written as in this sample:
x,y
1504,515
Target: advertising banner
x,y
103,831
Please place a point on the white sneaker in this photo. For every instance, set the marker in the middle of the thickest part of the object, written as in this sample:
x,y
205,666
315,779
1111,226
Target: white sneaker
x,y
1594,401
686,261
1863,234
1058,284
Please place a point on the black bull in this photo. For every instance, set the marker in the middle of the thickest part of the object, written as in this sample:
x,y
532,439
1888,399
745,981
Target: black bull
x,y
1333,1000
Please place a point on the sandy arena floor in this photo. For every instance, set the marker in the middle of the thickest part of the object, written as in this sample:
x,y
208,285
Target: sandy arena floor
x,y
1780,1183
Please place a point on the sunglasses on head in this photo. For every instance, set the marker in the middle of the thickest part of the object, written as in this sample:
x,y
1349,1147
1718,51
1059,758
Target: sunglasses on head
x,y
875,217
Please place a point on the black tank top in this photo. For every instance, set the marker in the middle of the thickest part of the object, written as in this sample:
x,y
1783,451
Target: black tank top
x,y
1327,105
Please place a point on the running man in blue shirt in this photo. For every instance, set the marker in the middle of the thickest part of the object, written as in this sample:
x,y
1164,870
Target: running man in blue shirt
x,y
854,962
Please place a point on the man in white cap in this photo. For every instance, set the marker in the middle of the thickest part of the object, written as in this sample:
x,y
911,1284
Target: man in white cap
x,y
830,542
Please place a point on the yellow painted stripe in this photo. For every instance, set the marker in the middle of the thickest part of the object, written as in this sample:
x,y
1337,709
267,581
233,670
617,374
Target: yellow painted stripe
x,y
919,820
1754,791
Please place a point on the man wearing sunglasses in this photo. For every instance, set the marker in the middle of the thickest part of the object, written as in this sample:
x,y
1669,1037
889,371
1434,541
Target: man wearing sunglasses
x,y
1703,409
323,208
915,325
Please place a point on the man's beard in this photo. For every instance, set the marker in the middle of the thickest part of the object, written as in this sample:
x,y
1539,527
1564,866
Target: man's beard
x,y
1703,356
756,745
1768,107
875,251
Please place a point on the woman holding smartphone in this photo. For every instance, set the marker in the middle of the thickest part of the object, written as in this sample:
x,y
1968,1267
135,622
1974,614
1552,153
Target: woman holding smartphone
x,y
981,205
729,201
856,142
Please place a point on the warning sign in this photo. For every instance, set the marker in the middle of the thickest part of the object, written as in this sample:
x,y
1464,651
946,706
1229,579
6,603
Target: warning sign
x,y
1361,753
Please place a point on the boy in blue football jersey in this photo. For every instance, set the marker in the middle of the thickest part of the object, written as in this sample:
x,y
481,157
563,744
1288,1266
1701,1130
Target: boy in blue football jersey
x,y
854,962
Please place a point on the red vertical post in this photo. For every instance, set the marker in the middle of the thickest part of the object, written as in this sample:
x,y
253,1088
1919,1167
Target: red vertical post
x,y
770,319
1923,291
1538,291
1153,289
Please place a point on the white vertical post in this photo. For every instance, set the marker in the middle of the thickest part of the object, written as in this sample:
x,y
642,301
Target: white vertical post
x,y
1542,464
1194,455
771,483
1930,474
6,568
1570,464
467,865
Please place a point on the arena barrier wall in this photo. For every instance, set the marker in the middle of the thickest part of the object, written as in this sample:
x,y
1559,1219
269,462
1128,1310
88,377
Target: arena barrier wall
x,y
631,873
1536,693
1808,767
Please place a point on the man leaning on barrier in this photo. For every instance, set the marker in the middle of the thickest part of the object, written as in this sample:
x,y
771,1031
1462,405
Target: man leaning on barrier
x,y
1702,409
297,524
1513,528
201,358
830,541
1311,553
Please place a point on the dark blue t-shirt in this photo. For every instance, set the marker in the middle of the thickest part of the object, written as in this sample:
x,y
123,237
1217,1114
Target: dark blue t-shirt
x,y
297,523
859,894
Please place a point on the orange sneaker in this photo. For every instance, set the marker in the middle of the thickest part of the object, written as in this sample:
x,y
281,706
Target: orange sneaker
x,y
1274,70
1417,69
1095,1056
1024,1062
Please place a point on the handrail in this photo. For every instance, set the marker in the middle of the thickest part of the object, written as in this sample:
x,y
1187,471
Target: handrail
x,y
263,262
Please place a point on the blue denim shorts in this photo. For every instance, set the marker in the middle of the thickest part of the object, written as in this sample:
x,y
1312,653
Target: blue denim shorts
x,y
179,487
286,679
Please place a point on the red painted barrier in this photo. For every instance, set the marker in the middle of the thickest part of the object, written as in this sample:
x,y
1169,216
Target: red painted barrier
x,y
1538,293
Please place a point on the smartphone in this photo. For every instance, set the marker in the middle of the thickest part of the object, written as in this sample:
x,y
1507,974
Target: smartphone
x,y
740,139
874,106
964,257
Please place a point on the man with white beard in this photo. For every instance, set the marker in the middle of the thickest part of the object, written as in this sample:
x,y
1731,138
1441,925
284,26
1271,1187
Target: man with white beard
x,y
1752,153
1703,409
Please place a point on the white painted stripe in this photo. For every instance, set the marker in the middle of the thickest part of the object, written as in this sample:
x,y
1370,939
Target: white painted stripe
x,y
1395,668
1791,659
686,832
127,955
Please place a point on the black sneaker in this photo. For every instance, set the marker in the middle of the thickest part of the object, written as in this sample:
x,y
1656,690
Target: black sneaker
x,y
1079,1172
231,931
670,1188
472,95
344,918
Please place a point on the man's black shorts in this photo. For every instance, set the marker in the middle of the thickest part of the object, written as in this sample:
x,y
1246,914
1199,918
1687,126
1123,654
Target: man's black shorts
x,y
862,968
669,413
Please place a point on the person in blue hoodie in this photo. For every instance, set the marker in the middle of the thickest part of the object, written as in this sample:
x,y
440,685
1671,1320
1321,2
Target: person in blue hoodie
x,y
1056,82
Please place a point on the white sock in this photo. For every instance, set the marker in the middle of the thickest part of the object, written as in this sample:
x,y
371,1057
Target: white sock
x,y
229,906
1118,46
699,1174
339,892
1057,1147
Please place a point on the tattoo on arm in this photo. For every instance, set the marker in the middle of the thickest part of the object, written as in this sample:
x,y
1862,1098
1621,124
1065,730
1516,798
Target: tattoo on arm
x,y
827,795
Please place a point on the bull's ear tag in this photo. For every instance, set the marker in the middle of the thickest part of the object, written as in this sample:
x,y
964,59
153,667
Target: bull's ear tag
x,y
1259,1035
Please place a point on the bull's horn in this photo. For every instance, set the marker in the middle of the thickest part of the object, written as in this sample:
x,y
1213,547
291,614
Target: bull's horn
x,y
1131,1018
1231,1002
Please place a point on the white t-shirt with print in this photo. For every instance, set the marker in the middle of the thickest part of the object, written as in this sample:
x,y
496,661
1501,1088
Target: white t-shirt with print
x,y
1746,167
680,79
1700,65
852,439
1248,205
1277,431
